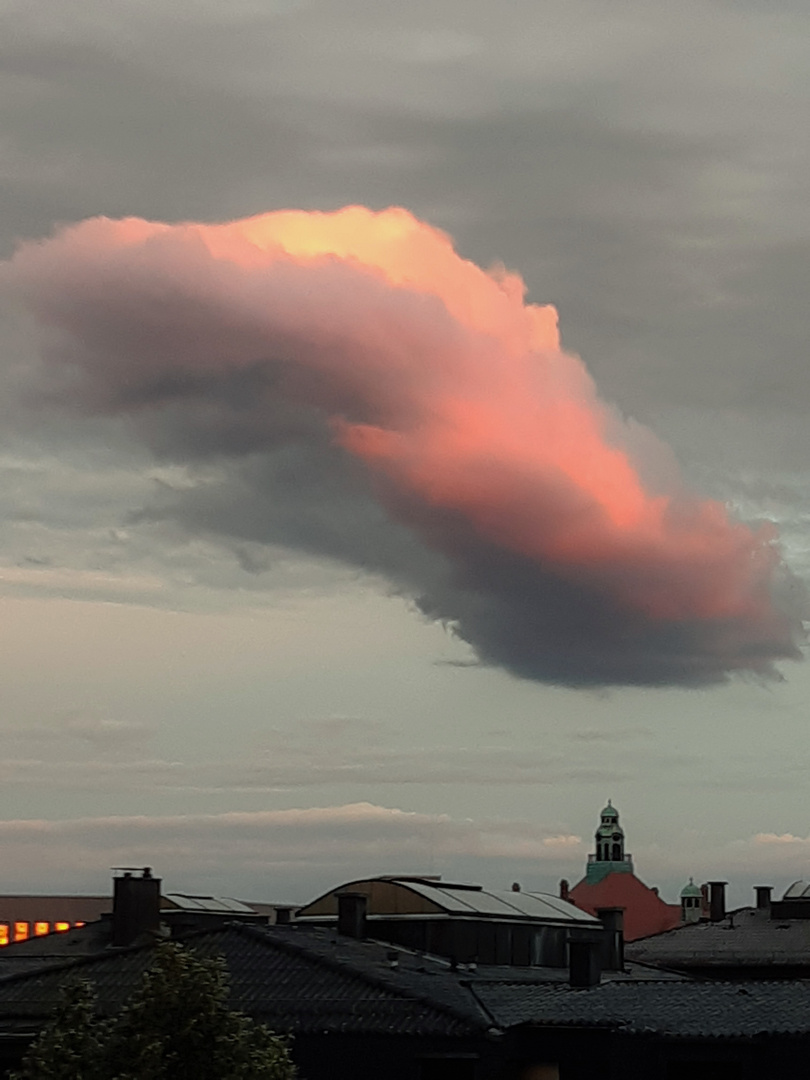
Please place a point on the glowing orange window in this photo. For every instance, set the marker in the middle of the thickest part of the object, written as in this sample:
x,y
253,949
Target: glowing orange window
x,y
41,928
60,927
21,931
78,924
4,933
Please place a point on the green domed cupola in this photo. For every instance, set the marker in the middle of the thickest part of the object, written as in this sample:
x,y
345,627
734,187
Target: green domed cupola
x,y
691,902
690,890
610,857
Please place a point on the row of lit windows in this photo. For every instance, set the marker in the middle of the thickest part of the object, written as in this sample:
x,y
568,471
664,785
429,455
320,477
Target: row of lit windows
x,y
21,931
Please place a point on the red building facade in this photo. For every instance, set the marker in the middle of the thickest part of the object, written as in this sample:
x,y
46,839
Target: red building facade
x,y
610,882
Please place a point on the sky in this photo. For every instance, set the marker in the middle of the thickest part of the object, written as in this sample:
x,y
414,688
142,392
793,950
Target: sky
x,y
240,667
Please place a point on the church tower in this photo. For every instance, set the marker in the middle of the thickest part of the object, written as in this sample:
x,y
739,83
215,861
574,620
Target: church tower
x,y
609,857
610,882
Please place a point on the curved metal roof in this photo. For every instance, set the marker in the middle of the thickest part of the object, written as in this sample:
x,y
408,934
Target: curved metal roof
x,y
454,898
214,904
798,890
512,905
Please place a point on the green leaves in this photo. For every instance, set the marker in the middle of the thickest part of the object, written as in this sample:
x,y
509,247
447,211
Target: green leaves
x,y
73,1045
176,1026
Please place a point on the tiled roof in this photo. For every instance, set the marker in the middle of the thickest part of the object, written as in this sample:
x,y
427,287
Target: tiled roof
x,y
294,981
87,940
745,937
678,1009
645,912
309,981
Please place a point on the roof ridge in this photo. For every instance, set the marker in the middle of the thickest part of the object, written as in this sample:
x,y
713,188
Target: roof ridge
x,y
109,953
71,962
345,968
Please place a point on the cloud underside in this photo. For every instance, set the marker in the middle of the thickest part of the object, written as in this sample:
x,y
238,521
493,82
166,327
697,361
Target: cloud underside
x,y
293,854
273,851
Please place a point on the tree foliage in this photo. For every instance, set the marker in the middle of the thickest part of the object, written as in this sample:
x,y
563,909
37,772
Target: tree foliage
x,y
176,1026
72,1046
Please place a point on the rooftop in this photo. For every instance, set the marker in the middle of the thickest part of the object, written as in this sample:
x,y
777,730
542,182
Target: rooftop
x,y
684,1010
312,981
402,896
294,980
745,937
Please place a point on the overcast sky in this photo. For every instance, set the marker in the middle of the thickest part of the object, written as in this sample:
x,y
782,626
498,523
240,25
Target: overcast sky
x,y
257,721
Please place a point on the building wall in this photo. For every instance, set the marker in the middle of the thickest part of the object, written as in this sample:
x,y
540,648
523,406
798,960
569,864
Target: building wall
x,y
23,917
384,898
645,913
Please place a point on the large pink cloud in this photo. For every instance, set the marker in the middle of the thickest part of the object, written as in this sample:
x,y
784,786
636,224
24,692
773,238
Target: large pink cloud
x,y
341,363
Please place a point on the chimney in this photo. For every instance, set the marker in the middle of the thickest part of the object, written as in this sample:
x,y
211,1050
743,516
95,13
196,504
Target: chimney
x,y
717,900
136,905
764,897
612,919
564,890
584,968
352,914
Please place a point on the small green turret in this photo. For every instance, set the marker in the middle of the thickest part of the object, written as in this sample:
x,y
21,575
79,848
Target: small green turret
x,y
691,902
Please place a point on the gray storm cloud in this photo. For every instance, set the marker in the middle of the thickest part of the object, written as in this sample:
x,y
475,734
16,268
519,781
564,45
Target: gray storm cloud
x,y
366,394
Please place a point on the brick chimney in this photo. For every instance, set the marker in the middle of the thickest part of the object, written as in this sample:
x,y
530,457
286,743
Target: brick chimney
x,y
717,900
584,965
612,919
136,905
763,893
352,914
564,889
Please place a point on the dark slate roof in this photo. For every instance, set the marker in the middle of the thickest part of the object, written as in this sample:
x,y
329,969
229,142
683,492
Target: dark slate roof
x,y
306,981
746,937
38,952
292,980
676,1009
